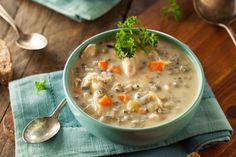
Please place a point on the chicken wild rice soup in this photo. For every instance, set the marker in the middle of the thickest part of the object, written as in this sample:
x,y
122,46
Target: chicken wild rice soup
x,y
137,92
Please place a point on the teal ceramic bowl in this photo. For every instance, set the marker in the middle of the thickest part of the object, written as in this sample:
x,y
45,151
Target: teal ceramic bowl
x,y
133,136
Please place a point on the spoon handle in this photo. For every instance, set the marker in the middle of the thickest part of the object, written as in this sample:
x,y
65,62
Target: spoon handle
x,y
8,18
58,108
230,31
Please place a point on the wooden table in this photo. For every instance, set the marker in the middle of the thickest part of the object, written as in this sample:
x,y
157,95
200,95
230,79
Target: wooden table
x,y
211,44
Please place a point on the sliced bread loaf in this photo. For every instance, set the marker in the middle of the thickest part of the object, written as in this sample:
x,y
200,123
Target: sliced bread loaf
x,y
6,72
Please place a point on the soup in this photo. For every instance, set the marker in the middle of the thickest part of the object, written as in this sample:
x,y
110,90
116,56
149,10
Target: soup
x,y
148,89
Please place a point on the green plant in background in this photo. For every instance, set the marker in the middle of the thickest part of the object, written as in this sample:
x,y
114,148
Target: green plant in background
x,y
40,85
127,41
174,9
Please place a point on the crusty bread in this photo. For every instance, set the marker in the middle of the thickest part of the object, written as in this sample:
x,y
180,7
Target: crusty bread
x,y
6,72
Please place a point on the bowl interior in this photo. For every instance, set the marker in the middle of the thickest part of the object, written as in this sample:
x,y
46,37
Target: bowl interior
x,y
111,33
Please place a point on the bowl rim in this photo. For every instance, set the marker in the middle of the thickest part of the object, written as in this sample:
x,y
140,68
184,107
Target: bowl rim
x,y
193,58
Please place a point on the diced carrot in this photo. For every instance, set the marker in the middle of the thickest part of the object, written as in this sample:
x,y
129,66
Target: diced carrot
x,y
123,98
103,64
138,110
116,69
105,101
156,65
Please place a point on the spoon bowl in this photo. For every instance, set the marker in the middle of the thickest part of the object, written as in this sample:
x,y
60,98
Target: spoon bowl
x,y
34,41
218,12
40,130
44,128
215,11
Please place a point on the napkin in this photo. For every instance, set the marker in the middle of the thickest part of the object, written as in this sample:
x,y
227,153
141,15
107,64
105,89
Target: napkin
x,y
80,9
209,126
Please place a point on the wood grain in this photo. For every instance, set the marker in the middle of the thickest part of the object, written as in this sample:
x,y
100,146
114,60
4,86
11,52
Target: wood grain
x,y
210,43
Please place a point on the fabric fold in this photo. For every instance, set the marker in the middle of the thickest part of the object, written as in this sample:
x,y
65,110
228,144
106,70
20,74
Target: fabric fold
x,y
79,10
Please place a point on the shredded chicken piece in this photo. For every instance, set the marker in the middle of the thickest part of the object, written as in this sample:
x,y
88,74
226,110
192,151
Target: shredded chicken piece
x,y
89,51
129,66
96,82
95,105
117,87
151,97
87,80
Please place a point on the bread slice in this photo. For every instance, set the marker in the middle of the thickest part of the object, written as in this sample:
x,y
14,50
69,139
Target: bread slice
x,y
6,72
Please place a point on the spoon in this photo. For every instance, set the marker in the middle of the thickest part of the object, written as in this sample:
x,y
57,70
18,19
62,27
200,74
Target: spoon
x,y
44,128
34,41
218,12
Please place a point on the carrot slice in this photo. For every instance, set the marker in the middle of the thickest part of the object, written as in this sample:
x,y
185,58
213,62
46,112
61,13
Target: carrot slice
x,y
138,110
105,101
123,98
116,69
156,65
103,64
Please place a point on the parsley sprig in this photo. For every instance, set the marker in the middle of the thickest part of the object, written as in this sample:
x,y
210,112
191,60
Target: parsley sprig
x,y
127,42
40,85
174,9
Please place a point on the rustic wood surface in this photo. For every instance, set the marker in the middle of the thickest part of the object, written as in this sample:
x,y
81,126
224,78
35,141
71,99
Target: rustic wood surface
x,y
211,44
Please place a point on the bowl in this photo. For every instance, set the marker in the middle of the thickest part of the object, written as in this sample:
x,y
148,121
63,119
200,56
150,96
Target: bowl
x,y
133,136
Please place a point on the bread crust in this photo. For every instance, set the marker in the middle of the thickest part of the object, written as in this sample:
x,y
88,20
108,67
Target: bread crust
x,y
6,72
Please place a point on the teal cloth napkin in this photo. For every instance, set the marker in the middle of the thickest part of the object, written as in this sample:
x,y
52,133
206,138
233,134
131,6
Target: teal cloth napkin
x,y
209,126
80,9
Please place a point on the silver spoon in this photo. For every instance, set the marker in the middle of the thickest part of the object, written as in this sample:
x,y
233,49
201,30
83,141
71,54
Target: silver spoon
x,y
34,41
44,128
218,12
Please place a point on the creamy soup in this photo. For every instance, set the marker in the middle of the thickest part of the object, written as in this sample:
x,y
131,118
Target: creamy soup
x,y
137,92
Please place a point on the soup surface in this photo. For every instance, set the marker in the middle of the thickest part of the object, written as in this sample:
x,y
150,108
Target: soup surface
x,y
146,90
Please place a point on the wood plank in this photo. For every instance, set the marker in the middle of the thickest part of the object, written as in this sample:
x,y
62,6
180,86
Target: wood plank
x,y
3,138
7,145
7,151
4,101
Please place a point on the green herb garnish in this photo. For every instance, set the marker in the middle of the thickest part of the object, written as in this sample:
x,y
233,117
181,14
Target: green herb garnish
x,y
127,41
174,9
40,85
